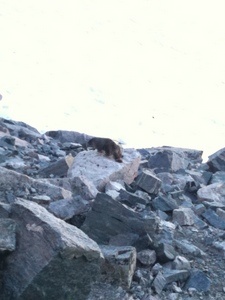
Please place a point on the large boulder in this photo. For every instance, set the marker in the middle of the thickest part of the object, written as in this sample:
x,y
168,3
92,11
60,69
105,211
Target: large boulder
x,y
109,218
216,161
100,169
69,136
170,159
53,260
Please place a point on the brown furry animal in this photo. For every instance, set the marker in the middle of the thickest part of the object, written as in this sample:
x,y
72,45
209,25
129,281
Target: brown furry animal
x,y
108,146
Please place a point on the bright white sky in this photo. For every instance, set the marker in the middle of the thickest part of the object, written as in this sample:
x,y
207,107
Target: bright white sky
x,y
151,72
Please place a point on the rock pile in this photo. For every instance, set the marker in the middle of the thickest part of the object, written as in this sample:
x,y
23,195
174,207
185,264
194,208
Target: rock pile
x,y
75,224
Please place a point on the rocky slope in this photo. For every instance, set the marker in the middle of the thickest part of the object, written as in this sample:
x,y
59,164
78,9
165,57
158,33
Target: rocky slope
x,y
75,224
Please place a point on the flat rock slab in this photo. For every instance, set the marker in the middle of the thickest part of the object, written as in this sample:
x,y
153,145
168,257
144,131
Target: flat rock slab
x,y
109,218
199,281
52,260
213,219
100,169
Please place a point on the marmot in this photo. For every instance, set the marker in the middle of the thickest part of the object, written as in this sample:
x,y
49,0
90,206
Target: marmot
x,y
108,146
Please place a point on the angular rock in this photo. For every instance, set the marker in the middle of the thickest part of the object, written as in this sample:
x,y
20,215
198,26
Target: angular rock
x,y
184,216
164,203
147,257
175,275
220,246
181,263
199,281
213,219
169,159
119,264
214,192
131,199
113,188
218,177
109,218
199,209
69,136
21,130
148,182
200,177
7,235
41,199
167,230
11,181
58,168
58,257
159,283
221,213
81,185
216,161
64,183
188,248
100,169
65,209
5,210
165,252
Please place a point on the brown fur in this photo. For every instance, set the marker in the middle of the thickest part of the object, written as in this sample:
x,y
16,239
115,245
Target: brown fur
x,y
108,146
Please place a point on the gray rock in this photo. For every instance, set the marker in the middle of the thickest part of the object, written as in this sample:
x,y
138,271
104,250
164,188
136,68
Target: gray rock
x,y
218,177
199,281
58,257
164,203
220,246
188,248
168,159
65,209
214,192
181,263
112,188
199,209
16,182
100,169
200,177
148,182
109,218
41,199
5,210
69,136
58,168
175,275
213,219
216,161
7,235
147,257
64,183
127,239
159,283
184,216
81,185
221,213
165,252
119,264
131,199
